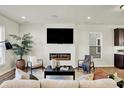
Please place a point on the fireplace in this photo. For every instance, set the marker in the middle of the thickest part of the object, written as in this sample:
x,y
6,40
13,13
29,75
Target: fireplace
x,y
60,56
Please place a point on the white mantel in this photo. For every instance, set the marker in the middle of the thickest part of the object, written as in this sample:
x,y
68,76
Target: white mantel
x,y
61,48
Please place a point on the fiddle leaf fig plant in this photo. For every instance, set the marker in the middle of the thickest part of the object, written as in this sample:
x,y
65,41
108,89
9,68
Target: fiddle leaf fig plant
x,y
23,45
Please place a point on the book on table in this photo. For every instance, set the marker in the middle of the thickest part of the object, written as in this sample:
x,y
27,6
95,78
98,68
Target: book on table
x,y
64,68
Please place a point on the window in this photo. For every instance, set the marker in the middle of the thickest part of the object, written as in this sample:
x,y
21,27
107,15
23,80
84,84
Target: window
x,y
98,46
2,45
95,44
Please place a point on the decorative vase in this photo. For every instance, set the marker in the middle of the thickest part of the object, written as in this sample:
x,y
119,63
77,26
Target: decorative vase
x,y
20,64
57,64
53,63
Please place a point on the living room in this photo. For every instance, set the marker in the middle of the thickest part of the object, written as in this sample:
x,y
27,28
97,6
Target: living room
x,y
86,21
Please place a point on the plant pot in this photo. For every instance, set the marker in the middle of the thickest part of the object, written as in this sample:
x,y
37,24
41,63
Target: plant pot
x,y
20,64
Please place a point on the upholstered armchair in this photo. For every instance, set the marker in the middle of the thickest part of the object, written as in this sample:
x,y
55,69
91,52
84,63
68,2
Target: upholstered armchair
x,y
88,61
34,63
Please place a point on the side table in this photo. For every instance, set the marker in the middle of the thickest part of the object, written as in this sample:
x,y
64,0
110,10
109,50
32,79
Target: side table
x,y
120,82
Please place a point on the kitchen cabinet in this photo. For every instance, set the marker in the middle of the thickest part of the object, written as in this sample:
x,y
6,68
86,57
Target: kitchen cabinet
x,y
119,37
119,60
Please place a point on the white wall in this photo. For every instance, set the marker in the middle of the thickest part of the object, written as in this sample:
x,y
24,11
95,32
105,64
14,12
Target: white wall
x,y
41,49
39,37
81,41
13,28
107,48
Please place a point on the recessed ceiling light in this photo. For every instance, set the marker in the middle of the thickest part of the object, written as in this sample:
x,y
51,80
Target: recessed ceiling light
x,y
88,17
122,7
23,17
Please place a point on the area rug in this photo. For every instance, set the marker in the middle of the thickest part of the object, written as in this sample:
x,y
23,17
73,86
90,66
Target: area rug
x,y
40,75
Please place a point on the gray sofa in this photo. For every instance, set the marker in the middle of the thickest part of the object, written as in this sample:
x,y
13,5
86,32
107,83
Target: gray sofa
x,y
49,83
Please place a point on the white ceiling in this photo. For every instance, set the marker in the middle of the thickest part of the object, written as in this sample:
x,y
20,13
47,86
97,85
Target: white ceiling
x,y
77,14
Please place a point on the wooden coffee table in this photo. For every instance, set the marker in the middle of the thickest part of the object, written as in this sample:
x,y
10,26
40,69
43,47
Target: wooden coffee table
x,y
52,72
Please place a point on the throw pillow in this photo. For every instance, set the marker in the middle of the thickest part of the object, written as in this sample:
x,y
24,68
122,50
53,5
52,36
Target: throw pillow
x,y
19,74
100,74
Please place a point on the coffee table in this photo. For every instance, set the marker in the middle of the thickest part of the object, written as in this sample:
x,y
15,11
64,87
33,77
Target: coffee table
x,y
52,72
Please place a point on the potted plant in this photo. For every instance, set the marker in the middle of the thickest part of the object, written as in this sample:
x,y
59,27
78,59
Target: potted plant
x,y
21,48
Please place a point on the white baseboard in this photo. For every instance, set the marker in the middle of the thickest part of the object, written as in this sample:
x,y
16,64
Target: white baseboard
x,y
104,66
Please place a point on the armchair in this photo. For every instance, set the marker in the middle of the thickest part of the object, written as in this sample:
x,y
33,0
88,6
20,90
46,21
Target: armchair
x,y
34,63
87,64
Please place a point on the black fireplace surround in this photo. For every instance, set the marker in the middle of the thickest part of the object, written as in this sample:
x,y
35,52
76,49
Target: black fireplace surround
x,y
60,56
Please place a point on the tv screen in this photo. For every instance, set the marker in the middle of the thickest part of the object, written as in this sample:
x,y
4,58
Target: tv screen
x,y
60,35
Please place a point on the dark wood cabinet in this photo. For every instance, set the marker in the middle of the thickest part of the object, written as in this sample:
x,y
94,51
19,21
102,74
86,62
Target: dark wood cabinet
x,y
119,37
119,60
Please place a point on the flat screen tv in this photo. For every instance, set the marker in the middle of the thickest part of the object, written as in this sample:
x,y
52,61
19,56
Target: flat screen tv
x,y
60,35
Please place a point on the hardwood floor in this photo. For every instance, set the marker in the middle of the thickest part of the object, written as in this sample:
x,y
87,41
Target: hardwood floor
x,y
7,76
111,70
